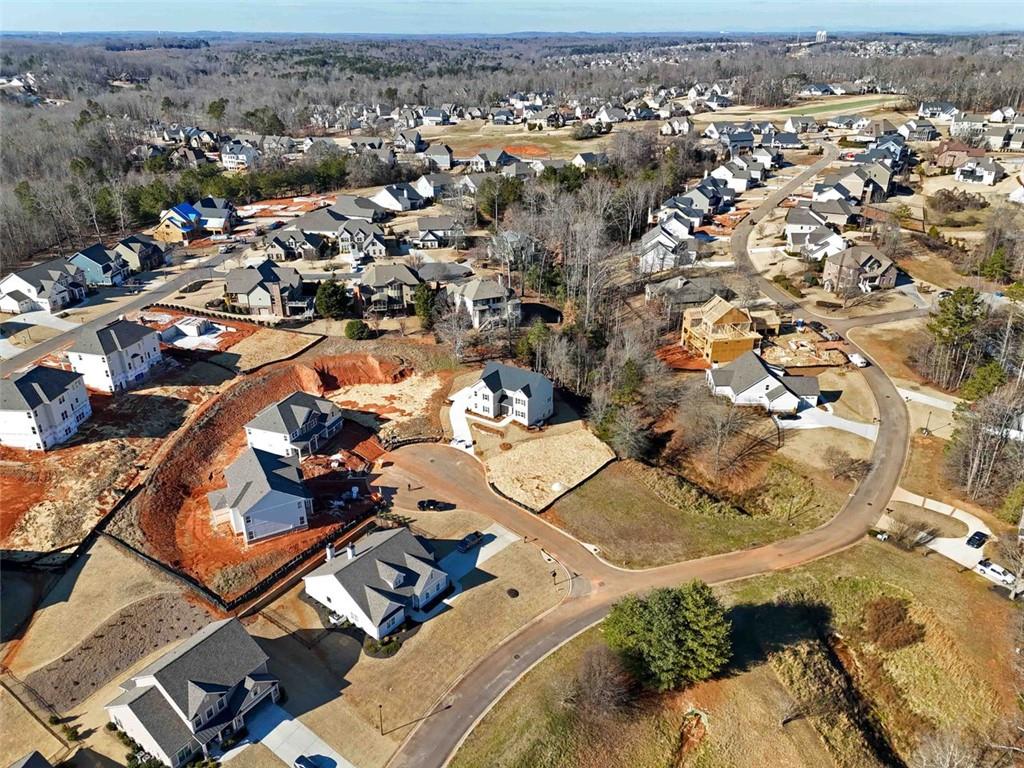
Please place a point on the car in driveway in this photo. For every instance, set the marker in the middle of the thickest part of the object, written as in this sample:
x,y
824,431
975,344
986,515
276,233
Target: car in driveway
x,y
472,540
303,761
995,572
433,505
977,540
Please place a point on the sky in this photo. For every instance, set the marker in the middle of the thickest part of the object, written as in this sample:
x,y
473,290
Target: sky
x,y
504,16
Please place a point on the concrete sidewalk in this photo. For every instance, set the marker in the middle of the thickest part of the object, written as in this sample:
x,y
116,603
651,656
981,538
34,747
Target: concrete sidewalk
x,y
462,437
815,418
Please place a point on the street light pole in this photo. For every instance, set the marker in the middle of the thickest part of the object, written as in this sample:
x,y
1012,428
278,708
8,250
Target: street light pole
x,y
380,716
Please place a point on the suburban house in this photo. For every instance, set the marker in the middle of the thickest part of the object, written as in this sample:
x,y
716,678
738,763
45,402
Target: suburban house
x,y
436,231
216,215
489,160
32,760
953,154
433,185
996,137
718,331
398,198
180,224
858,268
677,293
41,407
985,171
377,582
587,161
116,356
506,391
361,239
238,156
49,286
355,207
388,288
266,289
288,244
676,126
100,265
749,380
439,157
1002,115
265,496
196,695
918,129
410,141
819,243
661,248
487,302
294,426
800,124
141,253
938,110
438,273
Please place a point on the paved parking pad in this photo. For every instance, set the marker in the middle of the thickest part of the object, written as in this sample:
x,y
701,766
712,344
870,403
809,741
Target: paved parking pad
x,y
287,738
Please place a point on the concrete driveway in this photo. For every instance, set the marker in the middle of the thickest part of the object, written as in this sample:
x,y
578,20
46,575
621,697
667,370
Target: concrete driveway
x,y
44,318
816,418
462,437
287,738
955,548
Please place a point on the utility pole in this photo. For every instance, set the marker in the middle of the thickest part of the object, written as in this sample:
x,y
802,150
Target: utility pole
x,y
380,716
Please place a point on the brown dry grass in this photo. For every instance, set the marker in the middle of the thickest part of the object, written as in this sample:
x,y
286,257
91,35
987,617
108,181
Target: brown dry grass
x,y
265,346
919,517
21,732
889,343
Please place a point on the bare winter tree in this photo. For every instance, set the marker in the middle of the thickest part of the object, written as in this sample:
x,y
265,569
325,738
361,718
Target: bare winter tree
x,y
842,465
454,327
947,750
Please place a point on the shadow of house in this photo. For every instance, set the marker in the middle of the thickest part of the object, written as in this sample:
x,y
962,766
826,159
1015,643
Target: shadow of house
x,y
311,666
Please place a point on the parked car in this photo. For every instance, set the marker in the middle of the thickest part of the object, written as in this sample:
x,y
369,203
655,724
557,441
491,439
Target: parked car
x,y
302,761
977,539
470,541
434,505
995,572
858,360
226,248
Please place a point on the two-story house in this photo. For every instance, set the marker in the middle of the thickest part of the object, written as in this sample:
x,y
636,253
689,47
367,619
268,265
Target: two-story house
x,y
116,356
295,426
361,239
265,496
100,265
436,231
388,288
196,695
289,244
267,289
718,331
49,286
379,581
504,391
41,407
140,253
487,303
858,268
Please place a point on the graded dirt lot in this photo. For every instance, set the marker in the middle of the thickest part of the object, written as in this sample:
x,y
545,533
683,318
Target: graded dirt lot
x,y
53,499
267,345
413,398
335,689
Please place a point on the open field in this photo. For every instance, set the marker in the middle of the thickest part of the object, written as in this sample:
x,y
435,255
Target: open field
x,y
956,677
635,528
335,689
888,345
853,398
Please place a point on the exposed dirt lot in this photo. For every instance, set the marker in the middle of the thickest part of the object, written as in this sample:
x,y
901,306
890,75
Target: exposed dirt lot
x,y
266,345
404,407
334,689
53,499
538,469
21,732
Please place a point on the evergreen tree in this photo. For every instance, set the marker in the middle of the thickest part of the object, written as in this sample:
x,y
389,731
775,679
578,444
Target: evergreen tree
x,y
332,299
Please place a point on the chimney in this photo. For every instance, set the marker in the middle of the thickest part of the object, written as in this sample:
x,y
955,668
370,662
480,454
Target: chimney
x,y
351,550
330,553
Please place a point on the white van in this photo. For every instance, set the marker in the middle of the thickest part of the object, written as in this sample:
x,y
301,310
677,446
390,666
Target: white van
x,y
858,360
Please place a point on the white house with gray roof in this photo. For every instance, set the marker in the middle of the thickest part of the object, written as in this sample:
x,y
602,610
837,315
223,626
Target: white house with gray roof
x,y
295,426
265,496
487,302
49,286
192,698
42,407
376,582
506,391
749,380
116,356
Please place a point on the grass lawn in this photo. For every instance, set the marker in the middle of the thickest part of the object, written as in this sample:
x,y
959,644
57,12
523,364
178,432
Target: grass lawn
x,y
635,529
955,677
841,107
942,525
21,732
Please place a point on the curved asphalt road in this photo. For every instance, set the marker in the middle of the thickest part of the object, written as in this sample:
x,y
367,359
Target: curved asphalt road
x,y
598,584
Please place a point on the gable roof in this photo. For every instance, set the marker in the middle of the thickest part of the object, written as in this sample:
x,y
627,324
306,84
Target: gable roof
x,y
242,280
116,336
38,385
497,377
381,274
369,575
256,473
98,254
749,369
289,414
41,275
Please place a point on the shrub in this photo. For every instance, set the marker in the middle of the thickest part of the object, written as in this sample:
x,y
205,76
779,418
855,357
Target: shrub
x,y
357,330
888,625
110,727
53,720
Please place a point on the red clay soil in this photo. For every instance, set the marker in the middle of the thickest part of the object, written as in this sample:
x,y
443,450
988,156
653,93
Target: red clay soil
x,y
22,486
527,150
239,329
173,513
679,358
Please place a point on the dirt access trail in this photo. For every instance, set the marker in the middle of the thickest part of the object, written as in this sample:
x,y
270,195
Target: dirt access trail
x,y
599,584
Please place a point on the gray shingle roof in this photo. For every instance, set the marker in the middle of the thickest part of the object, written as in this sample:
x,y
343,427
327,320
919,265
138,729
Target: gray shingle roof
x,y
256,473
119,335
47,272
369,576
243,280
441,271
30,389
498,377
289,414
31,760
